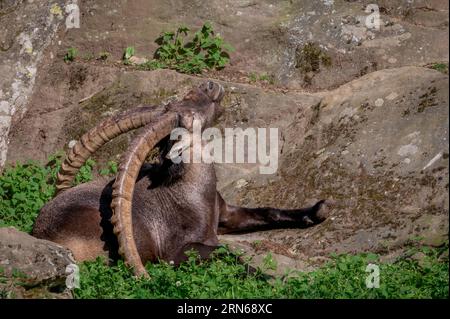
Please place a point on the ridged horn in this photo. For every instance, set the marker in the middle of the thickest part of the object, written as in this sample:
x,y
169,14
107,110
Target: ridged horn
x,y
123,187
101,134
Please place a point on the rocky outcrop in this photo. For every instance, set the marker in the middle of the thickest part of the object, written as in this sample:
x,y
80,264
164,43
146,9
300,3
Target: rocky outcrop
x,y
32,268
379,147
359,37
299,44
26,29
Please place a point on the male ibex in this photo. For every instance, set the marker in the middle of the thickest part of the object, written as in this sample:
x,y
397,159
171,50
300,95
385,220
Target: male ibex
x,y
158,211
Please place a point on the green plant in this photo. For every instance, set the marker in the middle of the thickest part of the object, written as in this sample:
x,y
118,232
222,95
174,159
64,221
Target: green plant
x,y
253,77
267,78
205,50
85,173
224,276
88,56
109,170
310,57
264,77
127,54
152,65
441,67
269,263
257,243
25,188
70,55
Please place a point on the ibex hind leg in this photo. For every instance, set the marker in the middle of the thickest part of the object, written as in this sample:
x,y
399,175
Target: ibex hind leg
x,y
235,219
79,229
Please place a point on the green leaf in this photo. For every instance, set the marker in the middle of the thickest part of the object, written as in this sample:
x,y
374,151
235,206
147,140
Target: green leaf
x,y
204,51
128,53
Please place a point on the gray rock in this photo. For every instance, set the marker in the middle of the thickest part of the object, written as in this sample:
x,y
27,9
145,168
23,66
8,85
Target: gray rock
x,y
409,33
31,267
353,150
265,34
138,60
27,28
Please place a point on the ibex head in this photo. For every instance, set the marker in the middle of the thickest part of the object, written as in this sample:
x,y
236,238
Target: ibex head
x,y
213,90
201,103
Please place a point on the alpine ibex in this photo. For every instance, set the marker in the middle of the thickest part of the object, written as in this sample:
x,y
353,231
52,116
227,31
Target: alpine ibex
x,y
158,211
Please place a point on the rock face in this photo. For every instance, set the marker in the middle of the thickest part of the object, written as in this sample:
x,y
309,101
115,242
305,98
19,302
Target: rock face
x,y
32,268
379,147
27,28
348,39
360,37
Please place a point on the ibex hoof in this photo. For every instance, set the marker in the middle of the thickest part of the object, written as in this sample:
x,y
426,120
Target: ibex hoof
x,y
324,209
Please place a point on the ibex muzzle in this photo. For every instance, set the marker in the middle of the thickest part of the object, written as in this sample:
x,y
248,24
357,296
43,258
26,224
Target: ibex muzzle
x,y
159,211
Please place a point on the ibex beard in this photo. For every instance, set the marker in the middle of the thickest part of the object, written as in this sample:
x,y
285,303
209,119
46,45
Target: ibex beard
x,y
158,211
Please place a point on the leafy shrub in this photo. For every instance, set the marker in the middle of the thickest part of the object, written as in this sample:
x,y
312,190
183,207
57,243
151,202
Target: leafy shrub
x,y
310,57
25,188
441,67
70,55
127,54
345,277
85,173
152,65
109,170
205,50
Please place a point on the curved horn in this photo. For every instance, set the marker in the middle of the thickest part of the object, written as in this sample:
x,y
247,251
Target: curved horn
x,y
101,134
123,187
